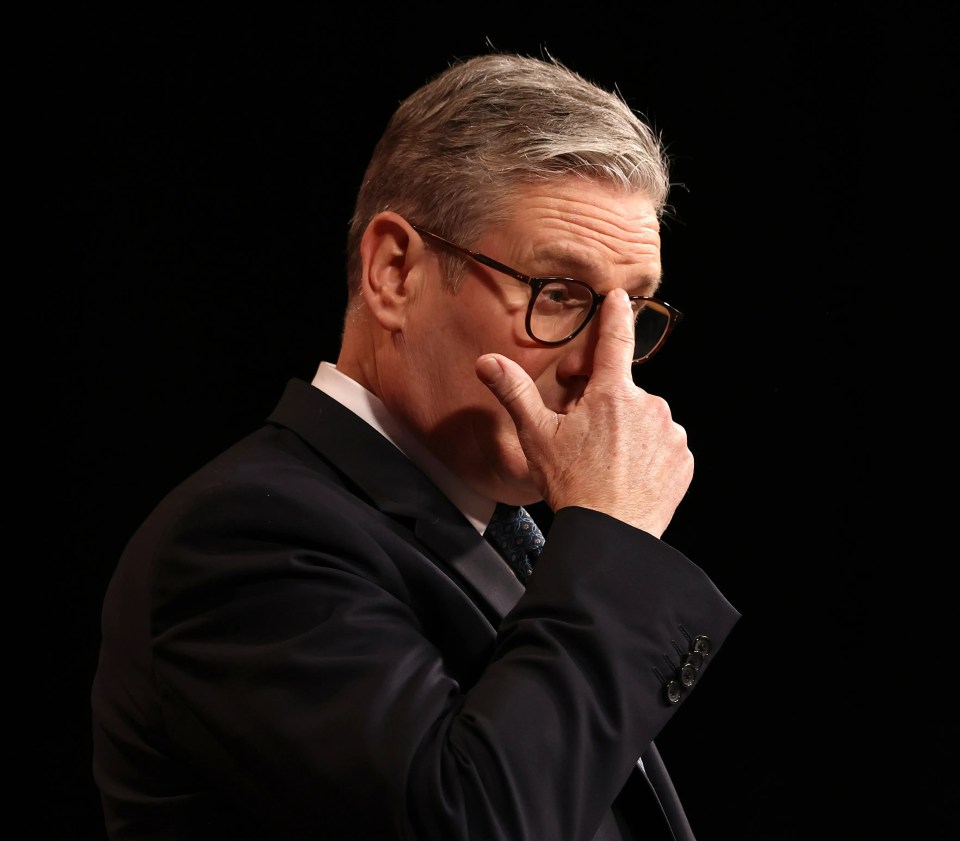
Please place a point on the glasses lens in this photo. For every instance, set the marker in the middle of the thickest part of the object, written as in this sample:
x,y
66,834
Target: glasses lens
x,y
562,306
559,309
652,321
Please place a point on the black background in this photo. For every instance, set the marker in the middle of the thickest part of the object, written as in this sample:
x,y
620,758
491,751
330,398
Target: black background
x,y
199,171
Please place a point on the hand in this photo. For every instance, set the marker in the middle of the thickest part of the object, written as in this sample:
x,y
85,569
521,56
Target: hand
x,y
618,451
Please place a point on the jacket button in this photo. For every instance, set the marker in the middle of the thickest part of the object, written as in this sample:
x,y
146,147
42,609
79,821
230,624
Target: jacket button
x,y
702,644
672,691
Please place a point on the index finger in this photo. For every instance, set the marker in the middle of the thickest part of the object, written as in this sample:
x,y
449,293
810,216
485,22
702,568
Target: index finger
x,y
614,353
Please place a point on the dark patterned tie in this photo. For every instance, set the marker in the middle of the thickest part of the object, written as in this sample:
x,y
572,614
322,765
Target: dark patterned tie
x,y
514,534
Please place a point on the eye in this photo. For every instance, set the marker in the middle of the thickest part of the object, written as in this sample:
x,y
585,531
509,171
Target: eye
x,y
558,297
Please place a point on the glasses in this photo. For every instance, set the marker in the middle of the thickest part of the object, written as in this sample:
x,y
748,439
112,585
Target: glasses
x,y
560,307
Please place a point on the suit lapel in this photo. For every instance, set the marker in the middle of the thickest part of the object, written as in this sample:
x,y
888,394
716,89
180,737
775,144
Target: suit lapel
x,y
398,488
459,544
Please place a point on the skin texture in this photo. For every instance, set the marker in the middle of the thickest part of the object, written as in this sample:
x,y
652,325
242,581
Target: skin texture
x,y
519,421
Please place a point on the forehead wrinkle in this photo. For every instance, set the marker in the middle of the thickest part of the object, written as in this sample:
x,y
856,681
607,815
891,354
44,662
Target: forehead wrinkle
x,y
566,211
588,231
560,253
590,218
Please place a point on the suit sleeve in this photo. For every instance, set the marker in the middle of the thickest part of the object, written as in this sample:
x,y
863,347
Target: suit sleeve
x,y
307,680
575,690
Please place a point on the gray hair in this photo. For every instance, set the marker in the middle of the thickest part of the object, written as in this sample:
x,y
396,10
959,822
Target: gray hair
x,y
456,151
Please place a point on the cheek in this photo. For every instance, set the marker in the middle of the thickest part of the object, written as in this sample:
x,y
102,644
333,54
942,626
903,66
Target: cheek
x,y
452,388
451,340
489,318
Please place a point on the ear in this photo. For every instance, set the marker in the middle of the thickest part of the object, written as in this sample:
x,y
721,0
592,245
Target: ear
x,y
394,262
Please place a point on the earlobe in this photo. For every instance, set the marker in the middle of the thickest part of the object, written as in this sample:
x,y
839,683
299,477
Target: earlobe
x,y
393,256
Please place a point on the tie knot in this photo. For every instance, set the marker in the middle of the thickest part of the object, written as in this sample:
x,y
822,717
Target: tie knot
x,y
514,534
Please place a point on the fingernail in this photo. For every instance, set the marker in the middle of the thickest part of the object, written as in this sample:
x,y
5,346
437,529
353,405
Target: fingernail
x,y
489,370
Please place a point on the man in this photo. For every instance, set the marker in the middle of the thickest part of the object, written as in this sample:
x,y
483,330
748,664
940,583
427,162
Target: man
x,y
311,638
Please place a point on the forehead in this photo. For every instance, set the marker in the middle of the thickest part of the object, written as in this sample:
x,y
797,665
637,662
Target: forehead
x,y
576,212
581,222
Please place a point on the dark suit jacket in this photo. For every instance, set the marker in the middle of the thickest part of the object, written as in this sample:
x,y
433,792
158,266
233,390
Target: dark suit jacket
x,y
307,640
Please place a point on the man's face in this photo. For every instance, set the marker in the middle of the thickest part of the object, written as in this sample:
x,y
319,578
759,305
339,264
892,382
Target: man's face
x,y
575,229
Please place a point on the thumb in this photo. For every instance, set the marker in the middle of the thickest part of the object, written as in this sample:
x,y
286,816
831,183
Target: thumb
x,y
512,386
